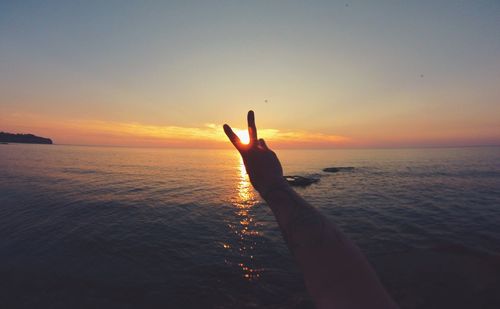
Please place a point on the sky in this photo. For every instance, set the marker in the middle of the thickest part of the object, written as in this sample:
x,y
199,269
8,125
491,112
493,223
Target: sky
x,y
318,74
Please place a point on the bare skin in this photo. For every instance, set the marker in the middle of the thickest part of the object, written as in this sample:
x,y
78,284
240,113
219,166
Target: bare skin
x,y
336,273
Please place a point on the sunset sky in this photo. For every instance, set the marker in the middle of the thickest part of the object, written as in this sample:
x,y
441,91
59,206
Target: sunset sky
x,y
316,73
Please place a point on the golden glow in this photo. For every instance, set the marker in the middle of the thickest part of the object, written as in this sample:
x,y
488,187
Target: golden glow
x,y
243,135
245,193
209,135
95,132
244,226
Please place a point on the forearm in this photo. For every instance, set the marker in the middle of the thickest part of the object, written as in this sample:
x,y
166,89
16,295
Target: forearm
x,y
335,271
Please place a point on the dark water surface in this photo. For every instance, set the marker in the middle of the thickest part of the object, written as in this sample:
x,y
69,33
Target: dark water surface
x,y
102,227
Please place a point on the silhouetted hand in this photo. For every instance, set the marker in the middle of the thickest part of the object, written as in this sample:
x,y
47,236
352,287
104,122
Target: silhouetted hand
x,y
261,163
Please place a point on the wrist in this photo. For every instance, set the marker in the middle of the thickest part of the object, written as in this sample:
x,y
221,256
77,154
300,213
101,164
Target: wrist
x,y
270,190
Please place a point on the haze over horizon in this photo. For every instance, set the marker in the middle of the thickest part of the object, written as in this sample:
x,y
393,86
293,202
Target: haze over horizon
x,y
318,75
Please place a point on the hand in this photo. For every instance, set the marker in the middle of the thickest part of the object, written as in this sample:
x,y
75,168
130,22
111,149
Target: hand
x,y
261,163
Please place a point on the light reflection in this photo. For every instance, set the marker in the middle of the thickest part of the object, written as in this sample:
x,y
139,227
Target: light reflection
x,y
244,227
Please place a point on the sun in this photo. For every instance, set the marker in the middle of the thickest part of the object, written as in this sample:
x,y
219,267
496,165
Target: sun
x,y
243,135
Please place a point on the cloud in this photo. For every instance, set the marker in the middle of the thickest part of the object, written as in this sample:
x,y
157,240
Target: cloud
x,y
210,133
99,132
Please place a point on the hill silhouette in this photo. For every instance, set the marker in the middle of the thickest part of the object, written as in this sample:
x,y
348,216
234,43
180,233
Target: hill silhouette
x,y
23,138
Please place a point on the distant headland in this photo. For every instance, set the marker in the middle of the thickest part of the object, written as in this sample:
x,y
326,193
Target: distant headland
x,y
23,138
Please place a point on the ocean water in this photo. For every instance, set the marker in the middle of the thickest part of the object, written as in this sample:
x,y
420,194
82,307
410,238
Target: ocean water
x,y
104,227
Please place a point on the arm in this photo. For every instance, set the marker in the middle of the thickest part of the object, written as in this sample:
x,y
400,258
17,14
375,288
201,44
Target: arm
x,y
336,273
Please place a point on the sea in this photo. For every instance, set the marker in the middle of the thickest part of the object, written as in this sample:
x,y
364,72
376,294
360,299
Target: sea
x,y
116,227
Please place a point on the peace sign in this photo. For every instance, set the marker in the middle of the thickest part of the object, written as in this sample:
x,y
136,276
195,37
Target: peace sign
x,y
252,133
261,163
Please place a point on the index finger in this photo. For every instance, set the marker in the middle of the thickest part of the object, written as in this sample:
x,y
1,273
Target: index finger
x,y
235,140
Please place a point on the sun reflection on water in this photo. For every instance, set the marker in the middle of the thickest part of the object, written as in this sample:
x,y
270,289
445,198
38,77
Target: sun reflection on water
x,y
245,226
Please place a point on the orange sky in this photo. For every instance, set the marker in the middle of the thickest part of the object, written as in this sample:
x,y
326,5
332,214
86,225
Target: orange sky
x,y
210,135
92,132
321,75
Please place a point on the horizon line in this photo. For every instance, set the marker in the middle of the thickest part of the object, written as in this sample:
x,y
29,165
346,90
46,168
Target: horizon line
x,y
278,148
